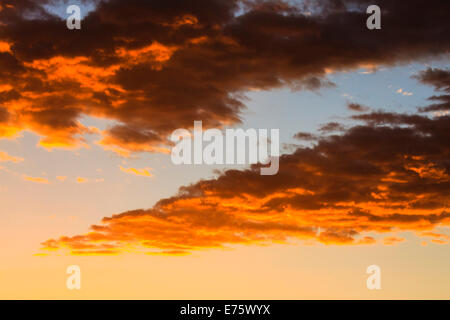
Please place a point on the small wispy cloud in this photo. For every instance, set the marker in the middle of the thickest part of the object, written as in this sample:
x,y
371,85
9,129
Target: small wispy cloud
x,y
392,241
82,180
144,172
35,179
346,95
4,157
403,92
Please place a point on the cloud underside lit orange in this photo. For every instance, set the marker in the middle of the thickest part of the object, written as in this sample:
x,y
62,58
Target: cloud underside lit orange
x,y
151,67
385,176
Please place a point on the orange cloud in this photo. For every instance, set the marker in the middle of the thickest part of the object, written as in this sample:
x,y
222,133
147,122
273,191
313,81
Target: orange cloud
x,y
35,179
124,141
5,46
438,238
145,172
390,241
366,180
4,157
155,53
82,180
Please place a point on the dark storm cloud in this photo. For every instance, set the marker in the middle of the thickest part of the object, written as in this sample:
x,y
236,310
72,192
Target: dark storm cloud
x,y
156,66
440,79
357,107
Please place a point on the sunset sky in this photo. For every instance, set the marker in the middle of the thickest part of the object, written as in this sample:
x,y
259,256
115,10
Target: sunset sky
x,y
86,176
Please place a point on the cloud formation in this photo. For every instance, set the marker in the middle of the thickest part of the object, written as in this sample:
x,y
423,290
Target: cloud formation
x,y
154,66
144,172
35,179
389,174
440,79
5,157
151,67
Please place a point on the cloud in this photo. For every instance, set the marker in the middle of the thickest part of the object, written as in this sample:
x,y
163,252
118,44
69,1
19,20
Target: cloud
x,y
403,92
331,127
390,173
145,172
392,241
438,238
440,79
151,67
306,136
35,179
5,157
81,180
357,107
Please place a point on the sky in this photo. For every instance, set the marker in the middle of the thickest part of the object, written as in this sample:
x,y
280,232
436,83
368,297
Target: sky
x,y
86,176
